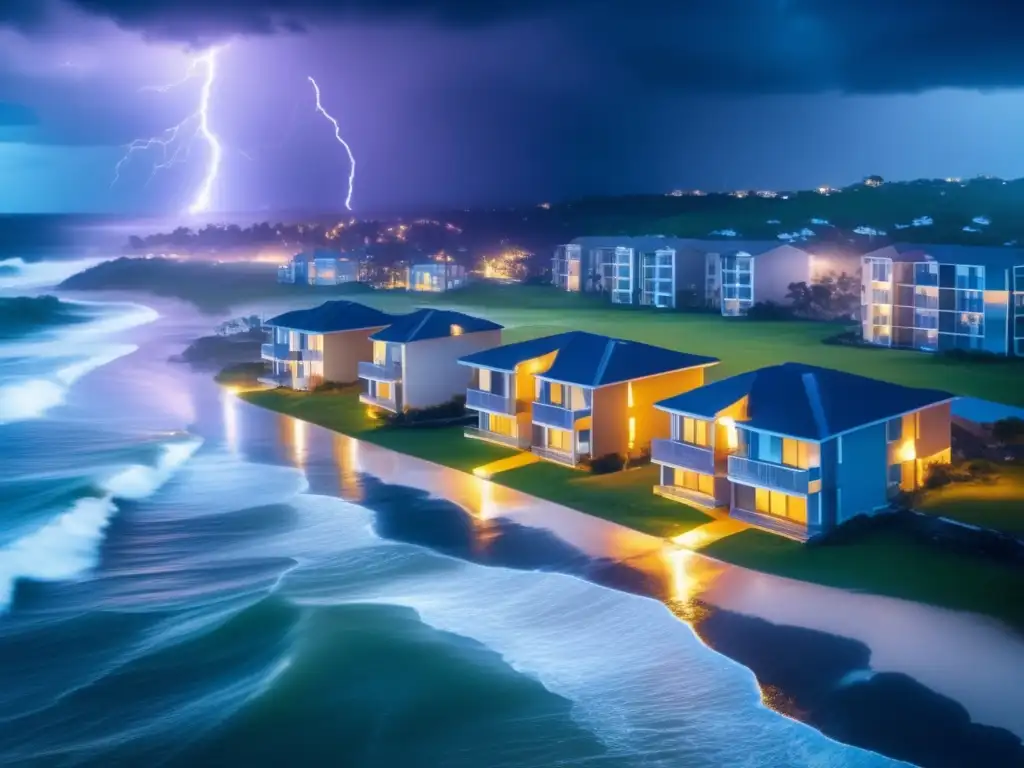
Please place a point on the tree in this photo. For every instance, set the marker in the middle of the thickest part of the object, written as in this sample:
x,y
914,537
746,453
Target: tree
x,y
800,297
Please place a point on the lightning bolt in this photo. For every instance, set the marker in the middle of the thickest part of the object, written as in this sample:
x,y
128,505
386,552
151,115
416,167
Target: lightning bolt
x,y
175,143
337,135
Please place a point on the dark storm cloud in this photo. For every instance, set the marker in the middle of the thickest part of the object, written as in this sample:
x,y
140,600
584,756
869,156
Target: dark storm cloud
x,y
16,115
739,46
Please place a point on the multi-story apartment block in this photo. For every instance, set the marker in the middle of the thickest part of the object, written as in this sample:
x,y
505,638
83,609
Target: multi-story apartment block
x,y
943,297
309,347
796,449
677,272
1018,310
435,277
319,267
415,359
576,396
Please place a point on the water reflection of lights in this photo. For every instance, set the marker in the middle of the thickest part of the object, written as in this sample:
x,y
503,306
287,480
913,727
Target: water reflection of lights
x,y
487,509
299,442
229,403
688,578
346,453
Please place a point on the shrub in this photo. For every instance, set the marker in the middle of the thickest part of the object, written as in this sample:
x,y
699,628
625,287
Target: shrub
x,y
610,462
973,356
444,413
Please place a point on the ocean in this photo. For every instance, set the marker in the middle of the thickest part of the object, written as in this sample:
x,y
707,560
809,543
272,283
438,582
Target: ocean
x,y
188,580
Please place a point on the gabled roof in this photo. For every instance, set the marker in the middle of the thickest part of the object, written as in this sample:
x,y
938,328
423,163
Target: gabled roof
x,y
508,356
588,359
805,401
432,324
332,317
318,253
973,255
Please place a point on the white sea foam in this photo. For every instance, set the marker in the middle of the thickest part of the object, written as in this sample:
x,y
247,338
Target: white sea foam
x,y
637,676
20,274
31,398
67,545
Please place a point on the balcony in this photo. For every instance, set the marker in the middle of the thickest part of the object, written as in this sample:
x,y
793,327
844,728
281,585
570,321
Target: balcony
x,y
512,441
567,458
686,496
557,416
272,351
479,400
380,371
788,528
683,455
774,476
379,402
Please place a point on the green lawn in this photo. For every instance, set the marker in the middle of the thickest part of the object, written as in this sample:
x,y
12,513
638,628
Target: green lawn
x,y
886,563
741,345
998,504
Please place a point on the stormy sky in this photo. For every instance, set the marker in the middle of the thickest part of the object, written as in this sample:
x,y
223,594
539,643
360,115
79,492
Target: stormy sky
x,y
489,102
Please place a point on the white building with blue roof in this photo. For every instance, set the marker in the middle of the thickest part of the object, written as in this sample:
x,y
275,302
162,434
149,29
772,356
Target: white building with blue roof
x,y
797,449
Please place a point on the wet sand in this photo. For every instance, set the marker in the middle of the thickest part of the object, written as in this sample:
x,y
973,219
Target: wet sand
x,y
915,682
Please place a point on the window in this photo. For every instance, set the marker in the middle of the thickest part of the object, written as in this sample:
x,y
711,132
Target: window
x,y
560,440
695,431
632,431
380,352
694,481
894,429
555,394
895,474
583,440
629,394
781,505
485,380
501,425
383,390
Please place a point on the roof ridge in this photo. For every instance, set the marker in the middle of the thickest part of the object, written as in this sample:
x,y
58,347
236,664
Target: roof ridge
x,y
420,324
810,383
605,359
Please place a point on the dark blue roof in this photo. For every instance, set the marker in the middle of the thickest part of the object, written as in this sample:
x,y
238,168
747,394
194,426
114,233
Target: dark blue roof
x,y
805,401
432,324
508,356
332,317
589,359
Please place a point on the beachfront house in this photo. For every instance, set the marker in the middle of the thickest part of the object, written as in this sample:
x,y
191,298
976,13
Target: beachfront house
x,y
308,347
435,277
576,396
797,449
414,362
941,297
319,267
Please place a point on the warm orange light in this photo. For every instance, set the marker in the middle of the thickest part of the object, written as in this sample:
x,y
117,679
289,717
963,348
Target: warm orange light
x,y
481,472
732,437
629,394
908,451
632,431
456,330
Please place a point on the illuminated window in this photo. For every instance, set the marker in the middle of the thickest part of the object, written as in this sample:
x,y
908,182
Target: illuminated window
x,y
485,380
456,330
380,352
629,394
632,431
688,430
501,425
696,432
384,390
556,394
559,439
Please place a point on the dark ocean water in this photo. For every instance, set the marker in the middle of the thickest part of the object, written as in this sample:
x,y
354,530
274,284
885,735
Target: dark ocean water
x,y
188,580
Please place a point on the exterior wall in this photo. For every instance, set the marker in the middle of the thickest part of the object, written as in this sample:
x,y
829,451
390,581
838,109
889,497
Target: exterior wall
x,y
691,278
861,472
431,374
610,424
1018,310
344,351
774,270
933,430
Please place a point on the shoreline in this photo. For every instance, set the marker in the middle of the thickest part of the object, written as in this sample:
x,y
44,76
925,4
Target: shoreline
x,y
818,653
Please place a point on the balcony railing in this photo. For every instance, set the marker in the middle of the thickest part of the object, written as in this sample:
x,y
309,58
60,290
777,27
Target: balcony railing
x,y
559,457
685,495
488,401
272,351
683,455
380,371
511,441
379,402
774,476
557,416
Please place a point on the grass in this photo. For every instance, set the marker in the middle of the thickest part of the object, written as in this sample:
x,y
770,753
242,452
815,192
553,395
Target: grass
x,y
998,504
625,497
741,345
886,563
